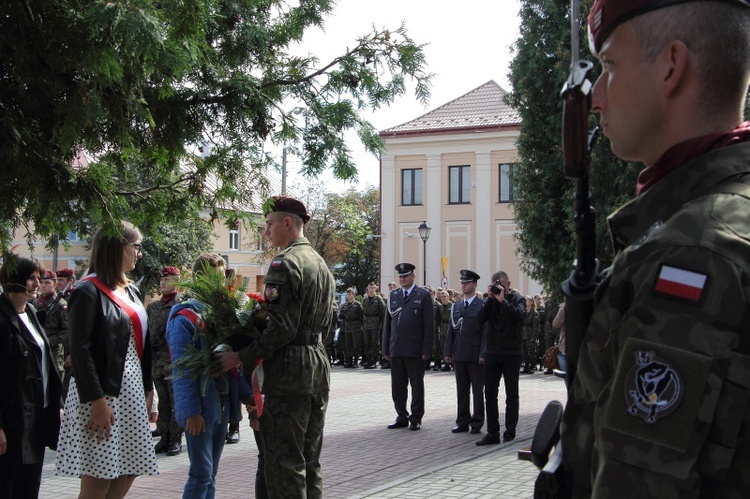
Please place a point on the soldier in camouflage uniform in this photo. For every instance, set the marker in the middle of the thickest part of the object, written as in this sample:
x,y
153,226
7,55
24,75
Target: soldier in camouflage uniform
x,y
299,294
437,311
351,317
529,332
66,280
52,312
158,313
445,317
659,407
373,308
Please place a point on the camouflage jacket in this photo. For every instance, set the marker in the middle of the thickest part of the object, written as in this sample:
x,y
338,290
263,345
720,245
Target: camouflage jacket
x,y
157,323
351,315
530,328
299,293
660,402
445,316
374,312
54,319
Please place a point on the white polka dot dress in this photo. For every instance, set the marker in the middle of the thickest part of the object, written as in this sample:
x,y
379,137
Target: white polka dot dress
x,y
128,451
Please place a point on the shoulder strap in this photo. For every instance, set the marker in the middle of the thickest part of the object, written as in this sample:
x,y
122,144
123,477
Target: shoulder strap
x,y
129,310
189,314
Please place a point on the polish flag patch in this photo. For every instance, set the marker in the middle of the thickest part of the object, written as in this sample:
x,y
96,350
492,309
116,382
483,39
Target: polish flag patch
x,y
680,283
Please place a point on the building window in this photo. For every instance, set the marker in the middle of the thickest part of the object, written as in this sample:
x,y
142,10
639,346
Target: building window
x,y
507,190
411,187
459,185
234,239
73,236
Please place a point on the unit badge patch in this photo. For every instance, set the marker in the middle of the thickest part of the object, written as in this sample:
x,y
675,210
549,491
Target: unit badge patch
x,y
653,389
272,292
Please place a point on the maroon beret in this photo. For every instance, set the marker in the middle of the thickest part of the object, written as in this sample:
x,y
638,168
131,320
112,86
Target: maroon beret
x,y
68,273
168,271
287,204
606,15
49,276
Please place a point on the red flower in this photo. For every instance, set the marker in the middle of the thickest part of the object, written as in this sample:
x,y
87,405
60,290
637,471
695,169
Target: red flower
x,y
256,297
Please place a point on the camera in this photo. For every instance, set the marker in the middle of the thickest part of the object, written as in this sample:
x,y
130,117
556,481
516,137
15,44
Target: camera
x,y
496,290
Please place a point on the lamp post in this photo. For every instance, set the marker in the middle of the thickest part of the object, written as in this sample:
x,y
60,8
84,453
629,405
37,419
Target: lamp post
x,y
424,233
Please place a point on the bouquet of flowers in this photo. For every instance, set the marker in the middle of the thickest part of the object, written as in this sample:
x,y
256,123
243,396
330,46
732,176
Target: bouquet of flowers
x,y
230,320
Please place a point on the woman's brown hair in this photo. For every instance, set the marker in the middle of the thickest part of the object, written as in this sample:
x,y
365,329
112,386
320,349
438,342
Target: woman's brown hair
x,y
16,270
107,253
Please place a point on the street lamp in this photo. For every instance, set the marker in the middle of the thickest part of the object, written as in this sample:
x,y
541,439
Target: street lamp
x,y
424,233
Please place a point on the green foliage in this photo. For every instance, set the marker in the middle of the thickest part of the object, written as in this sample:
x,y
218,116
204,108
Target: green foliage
x,y
230,318
338,231
141,85
545,211
177,242
361,263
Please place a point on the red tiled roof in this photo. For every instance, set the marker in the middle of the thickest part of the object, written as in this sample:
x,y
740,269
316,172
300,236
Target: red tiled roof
x,y
481,108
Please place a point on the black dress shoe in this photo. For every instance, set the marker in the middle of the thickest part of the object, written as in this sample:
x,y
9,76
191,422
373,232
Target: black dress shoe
x,y
476,430
398,424
162,445
174,449
233,437
489,439
508,436
460,429
414,425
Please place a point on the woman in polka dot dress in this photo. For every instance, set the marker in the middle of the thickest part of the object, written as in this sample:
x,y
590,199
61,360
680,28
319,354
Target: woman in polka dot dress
x,y
105,437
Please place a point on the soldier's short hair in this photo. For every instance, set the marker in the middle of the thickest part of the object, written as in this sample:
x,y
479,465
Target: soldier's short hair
x,y
717,33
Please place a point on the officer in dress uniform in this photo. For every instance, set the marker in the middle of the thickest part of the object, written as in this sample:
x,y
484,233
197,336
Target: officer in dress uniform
x,y
407,343
462,348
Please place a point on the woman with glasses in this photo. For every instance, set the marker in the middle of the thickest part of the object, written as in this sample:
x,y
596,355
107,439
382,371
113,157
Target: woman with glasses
x,y
105,437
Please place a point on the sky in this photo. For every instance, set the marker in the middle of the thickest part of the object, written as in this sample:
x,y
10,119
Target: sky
x,y
468,44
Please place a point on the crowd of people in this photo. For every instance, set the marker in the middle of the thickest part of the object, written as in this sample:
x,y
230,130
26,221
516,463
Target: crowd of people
x,y
103,364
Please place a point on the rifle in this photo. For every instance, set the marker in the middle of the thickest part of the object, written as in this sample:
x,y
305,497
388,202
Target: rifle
x,y
580,286
61,294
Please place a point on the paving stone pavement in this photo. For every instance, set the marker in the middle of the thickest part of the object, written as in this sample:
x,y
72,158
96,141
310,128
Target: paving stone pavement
x,y
361,458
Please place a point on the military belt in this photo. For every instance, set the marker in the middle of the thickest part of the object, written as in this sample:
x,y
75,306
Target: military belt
x,y
306,339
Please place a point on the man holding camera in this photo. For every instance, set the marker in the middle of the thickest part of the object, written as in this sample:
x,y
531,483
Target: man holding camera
x,y
503,312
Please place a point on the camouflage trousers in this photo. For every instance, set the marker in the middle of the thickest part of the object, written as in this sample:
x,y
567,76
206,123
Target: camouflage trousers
x,y
371,342
166,424
530,354
292,434
438,344
353,344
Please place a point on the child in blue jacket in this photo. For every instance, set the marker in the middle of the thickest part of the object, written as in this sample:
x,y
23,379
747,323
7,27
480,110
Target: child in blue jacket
x,y
204,417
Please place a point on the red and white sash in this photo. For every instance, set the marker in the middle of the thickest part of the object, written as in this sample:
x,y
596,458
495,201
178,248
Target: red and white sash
x,y
135,318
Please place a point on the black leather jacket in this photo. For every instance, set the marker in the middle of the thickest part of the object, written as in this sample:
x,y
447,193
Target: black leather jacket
x,y
502,336
28,426
99,334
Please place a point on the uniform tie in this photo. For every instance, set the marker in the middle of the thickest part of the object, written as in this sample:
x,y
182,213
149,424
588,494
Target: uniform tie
x,y
406,293
466,303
